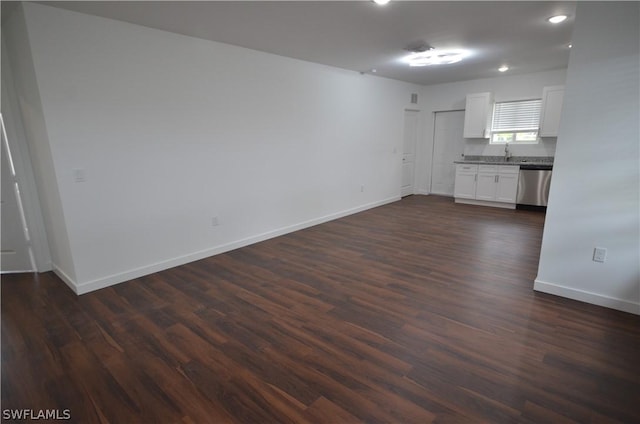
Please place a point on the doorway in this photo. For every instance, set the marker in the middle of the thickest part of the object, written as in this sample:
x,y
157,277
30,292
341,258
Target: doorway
x,y
410,138
448,146
16,253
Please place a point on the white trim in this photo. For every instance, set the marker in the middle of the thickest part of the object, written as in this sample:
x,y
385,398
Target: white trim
x,y
24,271
64,277
110,280
486,203
588,297
423,192
407,192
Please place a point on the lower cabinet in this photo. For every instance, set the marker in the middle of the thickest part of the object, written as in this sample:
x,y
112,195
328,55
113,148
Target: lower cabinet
x,y
487,183
465,183
507,183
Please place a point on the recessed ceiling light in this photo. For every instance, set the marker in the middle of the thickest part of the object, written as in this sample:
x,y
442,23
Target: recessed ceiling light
x,y
436,57
569,45
557,19
374,70
381,2
503,68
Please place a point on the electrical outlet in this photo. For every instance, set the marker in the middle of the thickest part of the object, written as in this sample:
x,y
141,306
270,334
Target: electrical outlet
x,y
599,254
214,221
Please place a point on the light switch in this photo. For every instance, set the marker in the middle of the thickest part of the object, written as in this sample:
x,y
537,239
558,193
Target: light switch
x,y
79,175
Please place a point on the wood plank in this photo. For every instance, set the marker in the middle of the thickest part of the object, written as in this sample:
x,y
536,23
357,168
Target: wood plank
x,y
414,312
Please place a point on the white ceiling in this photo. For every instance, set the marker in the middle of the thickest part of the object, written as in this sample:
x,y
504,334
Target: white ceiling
x,y
360,35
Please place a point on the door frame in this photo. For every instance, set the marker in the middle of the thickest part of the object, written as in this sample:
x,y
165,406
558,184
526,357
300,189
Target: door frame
x,y
415,151
16,139
19,252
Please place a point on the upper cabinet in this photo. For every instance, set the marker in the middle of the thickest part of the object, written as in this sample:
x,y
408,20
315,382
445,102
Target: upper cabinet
x,y
477,115
551,107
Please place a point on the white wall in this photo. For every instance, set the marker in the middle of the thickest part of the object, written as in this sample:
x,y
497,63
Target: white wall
x,y
452,96
29,112
594,197
171,131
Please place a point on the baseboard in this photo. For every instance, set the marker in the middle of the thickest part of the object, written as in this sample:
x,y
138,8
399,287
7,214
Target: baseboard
x,y
110,280
435,193
21,271
46,267
587,297
485,203
64,277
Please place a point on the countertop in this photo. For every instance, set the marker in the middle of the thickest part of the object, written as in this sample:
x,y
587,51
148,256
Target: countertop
x,y
515,160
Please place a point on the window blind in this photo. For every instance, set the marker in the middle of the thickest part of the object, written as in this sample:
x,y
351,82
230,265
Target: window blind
x,y
516,116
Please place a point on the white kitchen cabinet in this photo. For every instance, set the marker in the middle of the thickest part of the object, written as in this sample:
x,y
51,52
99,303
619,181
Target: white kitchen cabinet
x,y
552,98
487,182
492,185
477,115
465,183
507,184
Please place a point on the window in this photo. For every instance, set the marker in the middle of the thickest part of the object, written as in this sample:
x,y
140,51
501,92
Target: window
x,y
516,122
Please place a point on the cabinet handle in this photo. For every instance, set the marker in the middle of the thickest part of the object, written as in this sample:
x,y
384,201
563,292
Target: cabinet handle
x,y
496,179
475,177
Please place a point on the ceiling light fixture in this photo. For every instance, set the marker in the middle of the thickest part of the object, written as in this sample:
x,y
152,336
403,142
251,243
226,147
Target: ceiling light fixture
x,y
503,68
381,2
569,45
436,57
557,19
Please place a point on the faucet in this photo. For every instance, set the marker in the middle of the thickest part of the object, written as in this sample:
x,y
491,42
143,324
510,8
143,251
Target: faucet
x,y
507,153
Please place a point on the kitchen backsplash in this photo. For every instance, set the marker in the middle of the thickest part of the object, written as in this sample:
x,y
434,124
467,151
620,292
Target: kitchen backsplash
x,y
544,147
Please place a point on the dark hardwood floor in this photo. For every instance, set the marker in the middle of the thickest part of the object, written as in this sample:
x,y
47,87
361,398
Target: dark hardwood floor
x,y
415,312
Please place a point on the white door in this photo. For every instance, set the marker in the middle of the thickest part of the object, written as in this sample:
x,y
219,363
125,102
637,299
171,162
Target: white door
x,y
410,137
448,145
15,248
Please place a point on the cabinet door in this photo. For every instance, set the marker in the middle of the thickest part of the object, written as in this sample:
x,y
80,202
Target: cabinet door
x,y
552,98
465,184
477,115
507,188
486,187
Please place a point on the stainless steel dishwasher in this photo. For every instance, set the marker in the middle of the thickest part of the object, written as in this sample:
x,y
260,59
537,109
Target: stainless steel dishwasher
x,y
533,185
